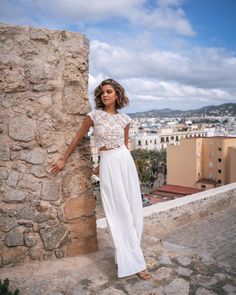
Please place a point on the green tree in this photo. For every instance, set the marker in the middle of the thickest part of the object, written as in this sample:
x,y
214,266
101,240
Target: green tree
x,y
149,164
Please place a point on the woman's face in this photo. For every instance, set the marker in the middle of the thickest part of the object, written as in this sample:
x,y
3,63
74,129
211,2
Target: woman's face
x,y
108,96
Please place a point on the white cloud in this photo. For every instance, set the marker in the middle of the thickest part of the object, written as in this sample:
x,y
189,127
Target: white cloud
x,y
164,3
161,90
163,18
147,94
80,10
204,75
164,15
202,67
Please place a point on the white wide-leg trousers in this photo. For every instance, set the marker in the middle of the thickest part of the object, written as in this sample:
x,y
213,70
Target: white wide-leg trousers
x,y
122,203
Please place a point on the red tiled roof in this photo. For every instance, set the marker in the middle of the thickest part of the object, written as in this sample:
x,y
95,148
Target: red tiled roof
x,y
176,189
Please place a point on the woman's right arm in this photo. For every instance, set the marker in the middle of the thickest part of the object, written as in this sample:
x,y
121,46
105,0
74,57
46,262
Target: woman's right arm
x,y
60,164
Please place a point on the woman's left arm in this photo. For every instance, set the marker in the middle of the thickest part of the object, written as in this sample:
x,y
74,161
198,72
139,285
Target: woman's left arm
x,y
127,135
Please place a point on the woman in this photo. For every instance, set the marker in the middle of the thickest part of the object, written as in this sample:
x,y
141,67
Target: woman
x,y
119,183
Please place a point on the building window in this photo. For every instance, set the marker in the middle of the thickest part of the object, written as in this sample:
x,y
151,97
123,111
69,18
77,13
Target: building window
x,y
167,139
155,141
219,171
219,160
139,142
203,186
219,181
162,139
177,138
219,149
172,138
146,142
150,141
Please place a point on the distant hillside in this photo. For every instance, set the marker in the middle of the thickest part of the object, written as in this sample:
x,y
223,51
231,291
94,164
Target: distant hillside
x,y
227,109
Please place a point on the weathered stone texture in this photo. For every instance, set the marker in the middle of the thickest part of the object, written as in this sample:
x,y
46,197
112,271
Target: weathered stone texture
x,y
83,227
13,196
43,101
14,238
54,237
77,207
81,246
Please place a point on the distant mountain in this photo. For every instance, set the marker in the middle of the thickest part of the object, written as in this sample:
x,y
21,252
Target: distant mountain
x,y
227,109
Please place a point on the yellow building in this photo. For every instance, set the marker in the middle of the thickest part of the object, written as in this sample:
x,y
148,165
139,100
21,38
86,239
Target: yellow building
x,y
202,162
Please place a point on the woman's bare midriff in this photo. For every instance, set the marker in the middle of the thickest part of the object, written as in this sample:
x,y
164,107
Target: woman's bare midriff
x,y
104,149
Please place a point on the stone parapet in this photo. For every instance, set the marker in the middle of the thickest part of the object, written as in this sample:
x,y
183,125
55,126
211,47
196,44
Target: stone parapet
x,y
166,216
172,214
43,101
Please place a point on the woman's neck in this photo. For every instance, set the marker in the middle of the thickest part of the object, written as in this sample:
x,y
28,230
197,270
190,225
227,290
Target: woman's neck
x,y
110,110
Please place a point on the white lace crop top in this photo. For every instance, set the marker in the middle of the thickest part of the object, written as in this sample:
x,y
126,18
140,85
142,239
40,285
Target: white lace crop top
x,y
108,128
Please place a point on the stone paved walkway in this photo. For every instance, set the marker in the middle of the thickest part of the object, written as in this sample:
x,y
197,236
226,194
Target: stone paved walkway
x,y
215,236
181,263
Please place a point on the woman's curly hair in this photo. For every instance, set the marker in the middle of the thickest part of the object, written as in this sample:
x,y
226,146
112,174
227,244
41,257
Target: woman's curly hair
x,y
122,99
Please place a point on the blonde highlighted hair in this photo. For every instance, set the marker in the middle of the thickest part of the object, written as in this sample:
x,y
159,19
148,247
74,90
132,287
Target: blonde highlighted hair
x,y
122,99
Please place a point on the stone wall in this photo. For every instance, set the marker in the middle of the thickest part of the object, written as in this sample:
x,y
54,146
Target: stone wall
x,y
167,216
43,94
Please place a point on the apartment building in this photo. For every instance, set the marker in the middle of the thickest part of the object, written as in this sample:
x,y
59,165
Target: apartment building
x,y
165,137
202,163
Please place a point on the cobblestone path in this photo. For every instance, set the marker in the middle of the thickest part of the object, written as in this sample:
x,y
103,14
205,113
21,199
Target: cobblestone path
x,y
214,235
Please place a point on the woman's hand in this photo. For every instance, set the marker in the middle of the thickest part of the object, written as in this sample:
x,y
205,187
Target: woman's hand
x,y
96,170
58,166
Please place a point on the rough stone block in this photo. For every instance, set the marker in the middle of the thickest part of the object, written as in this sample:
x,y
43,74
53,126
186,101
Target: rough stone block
x,y
75,185
4,149
12,79
14,238
25,213
3,173
22,128
39,35
51,190
82,246
13,255
78,207
54,237
30,239
40,218
83,227
13,178
35,156
7,223
30,182
13,196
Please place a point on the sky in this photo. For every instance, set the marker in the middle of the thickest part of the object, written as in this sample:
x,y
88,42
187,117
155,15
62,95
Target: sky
x,y
177,54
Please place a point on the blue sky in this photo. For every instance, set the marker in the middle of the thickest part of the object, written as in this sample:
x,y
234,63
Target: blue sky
x,y
179,54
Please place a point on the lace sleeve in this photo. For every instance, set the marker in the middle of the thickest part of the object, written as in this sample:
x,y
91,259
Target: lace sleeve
x,y
91,115
125,120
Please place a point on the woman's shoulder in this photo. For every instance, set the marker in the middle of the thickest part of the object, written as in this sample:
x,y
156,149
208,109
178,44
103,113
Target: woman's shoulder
x,y
125,119
124,115
95,114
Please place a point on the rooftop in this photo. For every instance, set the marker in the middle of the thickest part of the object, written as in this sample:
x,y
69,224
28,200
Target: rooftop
x,y
177,190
